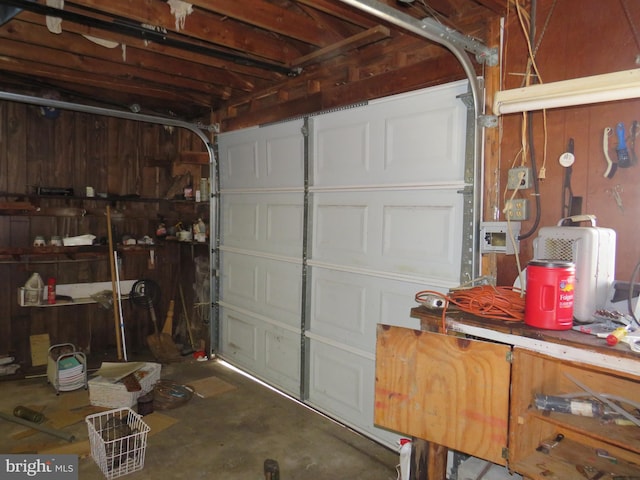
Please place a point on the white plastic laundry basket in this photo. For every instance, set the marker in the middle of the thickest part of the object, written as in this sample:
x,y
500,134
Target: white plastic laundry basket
x,y
118,441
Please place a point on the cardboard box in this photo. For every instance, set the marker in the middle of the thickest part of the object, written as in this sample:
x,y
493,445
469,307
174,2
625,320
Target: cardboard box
x,y
104,393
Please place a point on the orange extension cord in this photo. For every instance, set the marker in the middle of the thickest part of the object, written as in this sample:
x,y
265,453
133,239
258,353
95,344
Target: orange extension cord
x,y
500,303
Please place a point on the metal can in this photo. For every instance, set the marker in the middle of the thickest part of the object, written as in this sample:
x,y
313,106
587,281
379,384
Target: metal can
x,y
204,189
549,296
51,291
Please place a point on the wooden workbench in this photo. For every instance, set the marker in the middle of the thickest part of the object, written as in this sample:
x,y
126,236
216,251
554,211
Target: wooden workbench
x,y
471,390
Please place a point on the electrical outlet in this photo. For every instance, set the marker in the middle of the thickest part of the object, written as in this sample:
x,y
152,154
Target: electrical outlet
x,y
517,209
519,178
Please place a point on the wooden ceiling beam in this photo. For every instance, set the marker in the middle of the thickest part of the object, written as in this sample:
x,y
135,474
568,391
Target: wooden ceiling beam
x,y
496,6
141,63
76,68
204,25
81,56
97,84
356,41
273,18
343,11
234,72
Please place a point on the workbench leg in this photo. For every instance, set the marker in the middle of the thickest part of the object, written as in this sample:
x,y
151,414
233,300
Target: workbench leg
x,y
428,460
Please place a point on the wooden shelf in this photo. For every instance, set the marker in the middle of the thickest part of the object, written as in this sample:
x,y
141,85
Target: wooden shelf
x,y
620,436
568,459
85,252
81,293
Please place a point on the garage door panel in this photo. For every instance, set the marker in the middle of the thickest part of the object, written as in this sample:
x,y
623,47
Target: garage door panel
x,y
425,145
345,306
341,228
269,223
432,228
262,157
267,351
284,159
339,304
240,161
415,232
240,337
342,385
344,149
412,138
240,279
282,357
264,286
339,379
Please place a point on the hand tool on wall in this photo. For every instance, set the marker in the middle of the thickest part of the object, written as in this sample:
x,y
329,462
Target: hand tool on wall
x,y
624,160
611,167
112,266
616,192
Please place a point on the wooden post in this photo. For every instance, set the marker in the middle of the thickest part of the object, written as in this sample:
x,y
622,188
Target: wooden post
x,y
428,460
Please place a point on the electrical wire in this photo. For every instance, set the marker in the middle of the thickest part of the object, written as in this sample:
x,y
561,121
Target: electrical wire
x,y
631,289
487,301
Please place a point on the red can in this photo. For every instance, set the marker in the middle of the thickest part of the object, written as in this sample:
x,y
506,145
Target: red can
x,y
549,294
51,291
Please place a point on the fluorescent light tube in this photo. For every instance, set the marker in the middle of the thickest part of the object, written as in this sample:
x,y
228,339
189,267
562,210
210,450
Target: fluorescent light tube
x,y
578,91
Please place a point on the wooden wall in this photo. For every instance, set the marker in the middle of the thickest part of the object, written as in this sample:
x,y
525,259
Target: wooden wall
x,y
576,39
135,164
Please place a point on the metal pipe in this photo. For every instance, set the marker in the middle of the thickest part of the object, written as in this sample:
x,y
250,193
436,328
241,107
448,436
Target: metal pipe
x,y
51,431
427,30
432,31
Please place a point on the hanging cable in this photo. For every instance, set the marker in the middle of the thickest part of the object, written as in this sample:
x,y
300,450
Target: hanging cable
x,y
632,287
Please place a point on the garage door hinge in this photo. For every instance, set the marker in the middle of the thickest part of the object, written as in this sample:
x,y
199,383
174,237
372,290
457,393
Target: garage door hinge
x,y
509,356
505,453
467,190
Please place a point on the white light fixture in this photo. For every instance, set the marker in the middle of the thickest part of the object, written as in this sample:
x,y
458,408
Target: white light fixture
x,y
578,91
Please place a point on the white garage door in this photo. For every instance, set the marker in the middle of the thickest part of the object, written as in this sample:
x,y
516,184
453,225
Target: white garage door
x,y
324,237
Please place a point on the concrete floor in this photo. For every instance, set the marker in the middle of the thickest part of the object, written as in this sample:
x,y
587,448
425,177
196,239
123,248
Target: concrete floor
x,y
228,435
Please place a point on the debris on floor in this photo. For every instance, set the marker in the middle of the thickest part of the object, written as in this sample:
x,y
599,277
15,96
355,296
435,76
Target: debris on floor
x,y
7,367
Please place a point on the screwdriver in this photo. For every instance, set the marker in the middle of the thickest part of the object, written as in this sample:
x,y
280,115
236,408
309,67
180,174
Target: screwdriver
x,y
614,337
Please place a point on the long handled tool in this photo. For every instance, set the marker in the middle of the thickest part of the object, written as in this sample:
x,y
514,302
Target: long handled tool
x,y
146,293
186,318
112,266
121,316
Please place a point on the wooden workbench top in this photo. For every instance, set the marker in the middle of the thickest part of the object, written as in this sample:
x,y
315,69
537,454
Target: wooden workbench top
x,y
431,320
